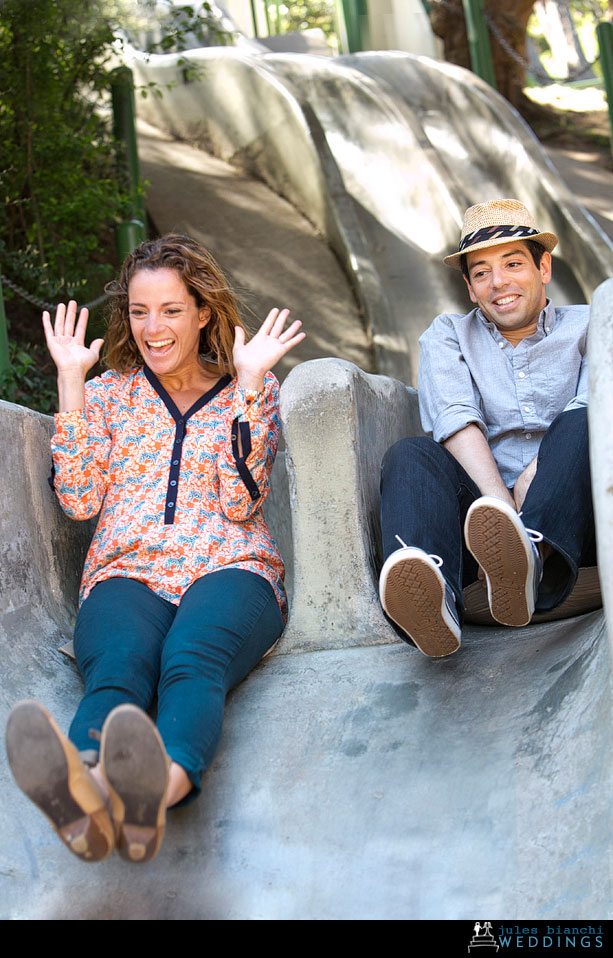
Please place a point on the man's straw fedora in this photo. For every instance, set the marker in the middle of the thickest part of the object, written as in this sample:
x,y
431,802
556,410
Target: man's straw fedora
x,y
495,223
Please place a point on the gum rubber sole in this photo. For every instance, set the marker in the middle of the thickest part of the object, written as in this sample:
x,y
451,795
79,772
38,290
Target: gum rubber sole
x,y
413,595
499,543
48,769
135,766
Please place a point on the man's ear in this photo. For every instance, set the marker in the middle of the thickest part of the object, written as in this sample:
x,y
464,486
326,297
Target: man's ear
x,y
545,268
473,298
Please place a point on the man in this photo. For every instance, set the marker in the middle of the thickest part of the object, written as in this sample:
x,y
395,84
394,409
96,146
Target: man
x,y
502,489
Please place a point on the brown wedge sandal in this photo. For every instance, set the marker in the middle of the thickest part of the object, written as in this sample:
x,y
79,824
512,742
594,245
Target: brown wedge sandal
x,y
135,765
48,769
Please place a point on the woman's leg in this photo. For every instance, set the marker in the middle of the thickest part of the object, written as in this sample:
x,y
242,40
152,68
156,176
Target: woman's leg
x,y
119,634
225,623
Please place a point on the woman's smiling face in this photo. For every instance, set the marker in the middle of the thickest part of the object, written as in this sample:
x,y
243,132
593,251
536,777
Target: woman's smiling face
x,y
165,321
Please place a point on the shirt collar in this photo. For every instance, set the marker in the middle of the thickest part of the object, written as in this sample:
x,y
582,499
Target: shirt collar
x,y
545,324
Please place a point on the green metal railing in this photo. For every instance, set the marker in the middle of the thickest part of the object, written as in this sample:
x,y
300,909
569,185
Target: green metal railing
x,y
354,17
479,41
351,22
604,32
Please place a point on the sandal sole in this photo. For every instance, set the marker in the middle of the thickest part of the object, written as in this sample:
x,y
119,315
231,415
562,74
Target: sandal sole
x,y
48,769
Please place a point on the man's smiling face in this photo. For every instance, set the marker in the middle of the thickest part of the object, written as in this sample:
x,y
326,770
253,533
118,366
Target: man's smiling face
x,y
507,285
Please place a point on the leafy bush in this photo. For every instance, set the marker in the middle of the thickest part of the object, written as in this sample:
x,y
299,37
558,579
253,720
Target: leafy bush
x,y
305,14
61,189
29,381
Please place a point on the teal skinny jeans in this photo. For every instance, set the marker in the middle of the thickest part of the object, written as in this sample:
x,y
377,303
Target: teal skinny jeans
x,y
131,644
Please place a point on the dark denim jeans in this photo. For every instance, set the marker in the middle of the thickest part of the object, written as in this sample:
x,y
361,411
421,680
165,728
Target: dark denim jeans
x,y
130,644
425,495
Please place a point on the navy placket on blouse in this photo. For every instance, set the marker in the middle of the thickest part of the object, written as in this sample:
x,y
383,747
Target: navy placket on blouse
x,y
180,429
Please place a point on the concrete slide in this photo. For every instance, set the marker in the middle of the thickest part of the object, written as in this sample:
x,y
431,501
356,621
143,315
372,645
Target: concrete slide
x,y
356,778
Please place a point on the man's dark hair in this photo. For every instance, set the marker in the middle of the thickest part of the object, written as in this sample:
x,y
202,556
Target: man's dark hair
x,y
536,251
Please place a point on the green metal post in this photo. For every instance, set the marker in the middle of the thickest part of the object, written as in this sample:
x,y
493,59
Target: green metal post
x,y
5,362
604,32
479,41
353,16
254,19
127,237
124,129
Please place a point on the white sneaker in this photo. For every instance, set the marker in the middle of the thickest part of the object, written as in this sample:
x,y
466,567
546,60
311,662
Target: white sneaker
x,y
509,557
415,595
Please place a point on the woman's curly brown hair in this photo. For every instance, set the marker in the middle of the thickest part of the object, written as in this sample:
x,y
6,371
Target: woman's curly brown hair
x,y
203,279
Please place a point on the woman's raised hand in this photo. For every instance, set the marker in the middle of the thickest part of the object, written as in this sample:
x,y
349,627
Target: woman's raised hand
x,y
272,341
66,343
66,340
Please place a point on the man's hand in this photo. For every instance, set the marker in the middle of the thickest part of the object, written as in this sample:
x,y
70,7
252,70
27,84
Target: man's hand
x,y
522,483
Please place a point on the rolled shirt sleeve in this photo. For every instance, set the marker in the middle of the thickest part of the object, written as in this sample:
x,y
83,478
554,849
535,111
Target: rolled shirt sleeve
x,y
448,396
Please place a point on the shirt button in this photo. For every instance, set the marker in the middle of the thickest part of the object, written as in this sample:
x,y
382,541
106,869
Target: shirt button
x,y
173,482
171,505
522,375
526,408
175,462
528,435
500,345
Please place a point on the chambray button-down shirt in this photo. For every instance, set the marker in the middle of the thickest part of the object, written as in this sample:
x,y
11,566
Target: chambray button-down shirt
x,y
468,372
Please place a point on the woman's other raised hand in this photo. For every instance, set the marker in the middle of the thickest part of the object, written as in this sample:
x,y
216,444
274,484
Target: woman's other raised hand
x,y
272,341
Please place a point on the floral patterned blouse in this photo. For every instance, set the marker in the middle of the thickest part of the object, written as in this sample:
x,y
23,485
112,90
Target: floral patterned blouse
x,y
176,498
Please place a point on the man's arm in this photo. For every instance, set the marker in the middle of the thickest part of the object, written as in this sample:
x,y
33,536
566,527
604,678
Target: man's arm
x,y
522,483
469,446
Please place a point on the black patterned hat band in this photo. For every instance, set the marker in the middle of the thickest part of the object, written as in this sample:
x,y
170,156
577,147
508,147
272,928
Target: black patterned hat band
x,y
497,232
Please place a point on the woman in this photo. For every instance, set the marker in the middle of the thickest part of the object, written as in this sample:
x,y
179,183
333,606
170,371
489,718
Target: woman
x,y
182,591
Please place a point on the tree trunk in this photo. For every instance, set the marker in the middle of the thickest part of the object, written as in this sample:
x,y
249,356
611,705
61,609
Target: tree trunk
x,y
509,18
557,23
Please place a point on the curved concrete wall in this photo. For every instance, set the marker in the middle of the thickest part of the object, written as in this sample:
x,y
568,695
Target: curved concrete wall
x,y
600,357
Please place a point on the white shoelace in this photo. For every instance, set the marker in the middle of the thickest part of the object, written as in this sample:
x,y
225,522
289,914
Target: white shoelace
x,y
533,535
436,559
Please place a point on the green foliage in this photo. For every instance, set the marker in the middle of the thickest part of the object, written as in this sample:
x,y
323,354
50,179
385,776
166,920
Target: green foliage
x,y
303,15
594,8
26,382
182,27
60,186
